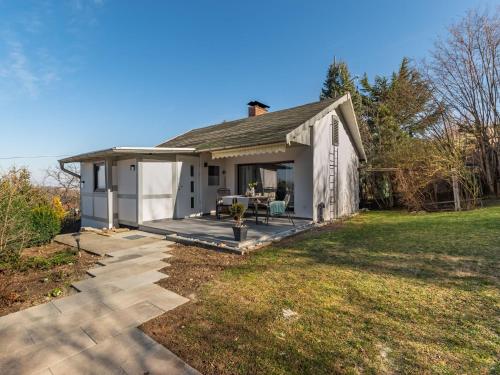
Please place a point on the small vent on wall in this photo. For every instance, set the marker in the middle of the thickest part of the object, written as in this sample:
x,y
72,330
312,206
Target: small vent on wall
x,y
335,131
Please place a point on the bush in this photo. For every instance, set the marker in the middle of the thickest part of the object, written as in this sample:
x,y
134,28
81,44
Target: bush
x,y
58,208
45,224
16,199
41,263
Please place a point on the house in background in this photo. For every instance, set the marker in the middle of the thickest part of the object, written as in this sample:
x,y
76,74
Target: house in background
x,y
312,151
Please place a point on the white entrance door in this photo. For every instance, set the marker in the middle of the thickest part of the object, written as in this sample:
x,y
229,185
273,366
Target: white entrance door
x,y
188,190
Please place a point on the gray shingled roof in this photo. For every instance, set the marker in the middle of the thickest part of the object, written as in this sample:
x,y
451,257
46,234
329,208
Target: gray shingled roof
x,y
268,128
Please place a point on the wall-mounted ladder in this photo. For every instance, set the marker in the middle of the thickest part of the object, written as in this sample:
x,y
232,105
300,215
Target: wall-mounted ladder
x,y
333,169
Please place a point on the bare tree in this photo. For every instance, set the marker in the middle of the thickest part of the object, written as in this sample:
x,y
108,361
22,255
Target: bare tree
x,y
67,184
465,74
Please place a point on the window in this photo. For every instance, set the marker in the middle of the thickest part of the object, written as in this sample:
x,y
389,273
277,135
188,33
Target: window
x,y
192,202
192,186
191,170
99,177
213,175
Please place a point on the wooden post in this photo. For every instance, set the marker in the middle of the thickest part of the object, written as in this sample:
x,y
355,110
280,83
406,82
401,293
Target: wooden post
x,y
456,192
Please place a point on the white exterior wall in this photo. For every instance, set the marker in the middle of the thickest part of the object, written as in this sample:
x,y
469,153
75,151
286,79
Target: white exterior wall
x,y
348,188
209,193
348,183
302,158
93,204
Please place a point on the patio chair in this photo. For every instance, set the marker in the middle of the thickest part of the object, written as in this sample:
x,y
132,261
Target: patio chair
x,y
278,208
220,205
270,192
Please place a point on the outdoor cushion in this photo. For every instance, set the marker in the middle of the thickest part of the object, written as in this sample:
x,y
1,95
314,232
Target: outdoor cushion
x,y
228,200
277,208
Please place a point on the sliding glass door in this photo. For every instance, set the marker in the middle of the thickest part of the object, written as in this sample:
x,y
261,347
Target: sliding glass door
x,y
277,177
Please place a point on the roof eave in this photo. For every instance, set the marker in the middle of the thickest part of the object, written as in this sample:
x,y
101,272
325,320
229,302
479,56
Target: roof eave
x,y
301,134
116,151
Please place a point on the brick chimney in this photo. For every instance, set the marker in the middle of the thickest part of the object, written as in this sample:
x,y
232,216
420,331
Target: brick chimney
x,y
256,108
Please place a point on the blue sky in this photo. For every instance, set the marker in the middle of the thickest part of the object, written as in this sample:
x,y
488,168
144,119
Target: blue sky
x,y
82,75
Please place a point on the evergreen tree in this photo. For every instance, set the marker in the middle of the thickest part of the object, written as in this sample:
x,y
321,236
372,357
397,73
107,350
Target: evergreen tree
x,y
339,82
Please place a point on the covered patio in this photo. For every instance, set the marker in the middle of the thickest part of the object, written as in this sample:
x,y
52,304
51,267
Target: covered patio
x,y
207,231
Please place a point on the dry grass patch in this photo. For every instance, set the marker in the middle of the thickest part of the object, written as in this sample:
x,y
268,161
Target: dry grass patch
x,y
42,273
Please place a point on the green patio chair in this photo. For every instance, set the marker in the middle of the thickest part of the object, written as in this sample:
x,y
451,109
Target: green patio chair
x,y
279,208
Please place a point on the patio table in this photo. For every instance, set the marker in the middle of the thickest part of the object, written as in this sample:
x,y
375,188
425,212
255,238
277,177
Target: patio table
x,y
254,201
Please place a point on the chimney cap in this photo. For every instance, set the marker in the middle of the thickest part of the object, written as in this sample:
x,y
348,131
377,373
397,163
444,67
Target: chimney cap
x,y
258,104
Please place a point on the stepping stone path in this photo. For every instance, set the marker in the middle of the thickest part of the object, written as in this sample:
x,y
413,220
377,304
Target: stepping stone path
x,y
95,331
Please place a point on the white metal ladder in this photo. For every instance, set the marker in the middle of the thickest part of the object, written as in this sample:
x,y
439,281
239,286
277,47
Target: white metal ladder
x,y
333,169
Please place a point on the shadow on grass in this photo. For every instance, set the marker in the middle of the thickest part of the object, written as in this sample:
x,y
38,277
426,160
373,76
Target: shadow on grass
x,y
454,250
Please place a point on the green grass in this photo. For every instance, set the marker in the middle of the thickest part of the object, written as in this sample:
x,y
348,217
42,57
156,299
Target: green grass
x,y
388,292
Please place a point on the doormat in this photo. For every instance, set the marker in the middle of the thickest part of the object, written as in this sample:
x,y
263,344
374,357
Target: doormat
x,y
134,237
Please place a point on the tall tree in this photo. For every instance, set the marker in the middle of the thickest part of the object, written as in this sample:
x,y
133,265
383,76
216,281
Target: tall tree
x,y
339,82
398,107
465,73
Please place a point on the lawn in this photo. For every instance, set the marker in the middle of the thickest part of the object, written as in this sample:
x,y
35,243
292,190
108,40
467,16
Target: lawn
x,y
384,292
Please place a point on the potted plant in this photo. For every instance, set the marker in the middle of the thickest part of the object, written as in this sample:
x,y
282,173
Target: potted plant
x,y
251,188
239,228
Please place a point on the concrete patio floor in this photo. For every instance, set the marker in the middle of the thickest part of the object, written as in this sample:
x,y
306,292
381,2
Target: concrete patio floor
x,y
95,331
208,231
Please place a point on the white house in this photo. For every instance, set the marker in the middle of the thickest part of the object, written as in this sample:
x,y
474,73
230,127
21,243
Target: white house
x,y
313,151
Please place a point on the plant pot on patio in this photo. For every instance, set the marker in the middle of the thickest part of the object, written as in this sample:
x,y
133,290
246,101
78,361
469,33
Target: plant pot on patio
x,y
239,228
240,233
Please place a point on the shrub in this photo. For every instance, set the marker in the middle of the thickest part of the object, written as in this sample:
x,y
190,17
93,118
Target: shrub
x,y
58,208
45,224
41,263
16,200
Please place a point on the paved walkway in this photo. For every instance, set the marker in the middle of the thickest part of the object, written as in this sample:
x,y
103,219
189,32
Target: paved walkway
x,y
95,331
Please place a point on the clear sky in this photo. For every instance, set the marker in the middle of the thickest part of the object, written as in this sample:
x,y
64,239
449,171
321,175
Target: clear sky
x,y
82,75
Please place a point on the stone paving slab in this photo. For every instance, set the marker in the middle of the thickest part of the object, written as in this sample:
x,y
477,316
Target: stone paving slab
x,y
155,247
117,274
13,337
130,352
141,279
29,315
99,244
130,297
167,300
40,356
76,301
112,324
126,263
154,358
67,322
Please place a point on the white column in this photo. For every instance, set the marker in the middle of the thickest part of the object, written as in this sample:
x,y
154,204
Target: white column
x,y
109,192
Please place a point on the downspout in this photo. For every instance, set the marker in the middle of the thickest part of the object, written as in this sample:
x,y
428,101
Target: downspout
x,y
63,168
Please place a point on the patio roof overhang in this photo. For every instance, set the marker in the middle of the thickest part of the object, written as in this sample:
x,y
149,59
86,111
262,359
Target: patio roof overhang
x,y
121,152
249,150
125,151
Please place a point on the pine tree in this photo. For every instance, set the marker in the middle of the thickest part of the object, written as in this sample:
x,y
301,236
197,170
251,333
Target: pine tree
x,y
339,82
